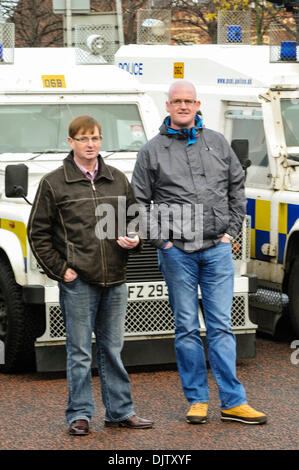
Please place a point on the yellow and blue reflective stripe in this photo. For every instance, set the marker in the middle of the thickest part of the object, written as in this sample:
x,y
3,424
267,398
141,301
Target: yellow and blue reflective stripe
x,y
287,216
20,230
260,212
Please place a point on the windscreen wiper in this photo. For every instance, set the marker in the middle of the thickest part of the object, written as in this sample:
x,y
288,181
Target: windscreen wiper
x,y
47,151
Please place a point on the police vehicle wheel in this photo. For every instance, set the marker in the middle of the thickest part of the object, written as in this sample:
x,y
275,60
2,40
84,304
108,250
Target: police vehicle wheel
x,y
17,354
293,293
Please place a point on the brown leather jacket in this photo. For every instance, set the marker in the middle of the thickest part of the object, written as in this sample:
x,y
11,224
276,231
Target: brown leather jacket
x,y
65,224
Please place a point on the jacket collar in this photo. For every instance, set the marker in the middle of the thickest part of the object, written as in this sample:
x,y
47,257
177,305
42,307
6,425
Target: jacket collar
x,y
72,172
190,135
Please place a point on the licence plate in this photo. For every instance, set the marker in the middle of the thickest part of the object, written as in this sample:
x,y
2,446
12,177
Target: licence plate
x,y
147,291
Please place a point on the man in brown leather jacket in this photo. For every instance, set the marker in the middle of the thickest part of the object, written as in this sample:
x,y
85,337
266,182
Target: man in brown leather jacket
x,y
69,242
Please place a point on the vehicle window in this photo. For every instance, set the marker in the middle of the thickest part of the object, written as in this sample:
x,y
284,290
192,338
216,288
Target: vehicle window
x,y
250,126
44,127
290,119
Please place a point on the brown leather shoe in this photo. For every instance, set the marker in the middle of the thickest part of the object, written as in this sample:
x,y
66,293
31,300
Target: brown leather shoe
x,y
79,427
133,422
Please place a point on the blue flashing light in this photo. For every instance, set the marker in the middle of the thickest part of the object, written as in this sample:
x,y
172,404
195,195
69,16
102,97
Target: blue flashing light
x,y
288,50
234,33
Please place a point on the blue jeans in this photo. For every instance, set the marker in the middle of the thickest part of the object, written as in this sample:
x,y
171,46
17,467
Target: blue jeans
x,y
213,270
89,308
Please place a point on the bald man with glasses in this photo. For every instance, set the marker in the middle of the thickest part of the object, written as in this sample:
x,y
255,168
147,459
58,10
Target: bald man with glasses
x,y
193,171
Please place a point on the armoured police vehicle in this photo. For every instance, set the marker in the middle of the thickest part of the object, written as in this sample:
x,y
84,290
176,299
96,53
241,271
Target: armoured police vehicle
x,y
41,91
250,93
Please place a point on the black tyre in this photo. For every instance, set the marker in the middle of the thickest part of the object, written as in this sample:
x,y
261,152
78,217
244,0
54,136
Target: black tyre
x,y
15,330
293,293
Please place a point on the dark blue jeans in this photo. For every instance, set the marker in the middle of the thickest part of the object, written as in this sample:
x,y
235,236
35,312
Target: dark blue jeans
x,y
213,270
86,309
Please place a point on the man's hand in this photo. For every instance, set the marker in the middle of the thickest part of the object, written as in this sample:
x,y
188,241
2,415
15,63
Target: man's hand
x,y
225,239
169,245
69,275
127,242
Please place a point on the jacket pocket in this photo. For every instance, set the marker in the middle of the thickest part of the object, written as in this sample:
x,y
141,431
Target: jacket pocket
x,y
221,218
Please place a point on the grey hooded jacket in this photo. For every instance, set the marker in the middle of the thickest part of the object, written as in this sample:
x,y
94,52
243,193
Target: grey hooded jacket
x,y
205,179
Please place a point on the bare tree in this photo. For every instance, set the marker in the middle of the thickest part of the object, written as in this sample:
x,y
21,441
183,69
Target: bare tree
x,y
199,19
129,8
192,23
102,5
36,24
7,7
192,20
263,15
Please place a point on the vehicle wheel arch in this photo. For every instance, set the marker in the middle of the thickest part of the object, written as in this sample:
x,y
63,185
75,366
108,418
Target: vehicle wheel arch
x,y
10,246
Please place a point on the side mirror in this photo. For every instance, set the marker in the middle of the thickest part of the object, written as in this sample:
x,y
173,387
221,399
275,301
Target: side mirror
x,y
241,149
16,180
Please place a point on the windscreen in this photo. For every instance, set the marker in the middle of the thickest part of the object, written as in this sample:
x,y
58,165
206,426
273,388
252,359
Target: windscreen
x,y
44,127
290,118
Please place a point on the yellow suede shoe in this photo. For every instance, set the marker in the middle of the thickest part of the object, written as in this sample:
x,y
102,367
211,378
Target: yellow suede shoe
x,y
245,414
197,413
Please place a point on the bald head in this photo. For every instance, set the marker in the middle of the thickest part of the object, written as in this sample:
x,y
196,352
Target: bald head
x,y
182,104
176,87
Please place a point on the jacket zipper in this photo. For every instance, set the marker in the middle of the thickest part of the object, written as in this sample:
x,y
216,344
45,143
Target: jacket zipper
x,y
101,245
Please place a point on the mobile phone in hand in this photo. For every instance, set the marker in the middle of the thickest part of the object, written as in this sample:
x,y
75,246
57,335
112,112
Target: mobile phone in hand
x,y
131,234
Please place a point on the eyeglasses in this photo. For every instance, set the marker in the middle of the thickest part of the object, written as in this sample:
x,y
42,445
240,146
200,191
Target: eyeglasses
x,y
84,140
178,102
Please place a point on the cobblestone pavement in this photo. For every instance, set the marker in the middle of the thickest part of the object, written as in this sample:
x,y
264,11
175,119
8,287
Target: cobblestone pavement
x,y
32,410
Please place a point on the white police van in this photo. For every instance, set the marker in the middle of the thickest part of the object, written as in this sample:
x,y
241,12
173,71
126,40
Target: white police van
x,y
247,97
41,92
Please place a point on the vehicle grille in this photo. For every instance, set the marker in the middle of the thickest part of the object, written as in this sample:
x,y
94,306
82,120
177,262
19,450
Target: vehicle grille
x,y
143,266
153,317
